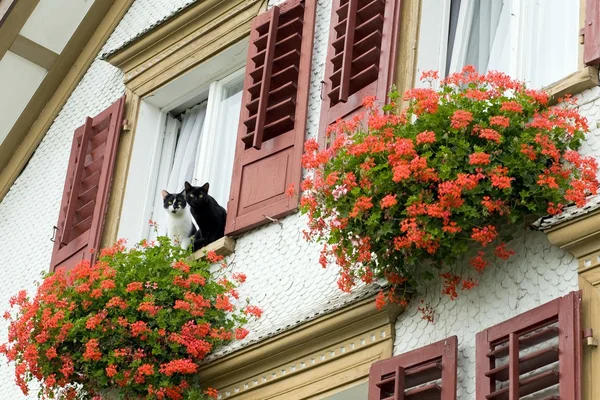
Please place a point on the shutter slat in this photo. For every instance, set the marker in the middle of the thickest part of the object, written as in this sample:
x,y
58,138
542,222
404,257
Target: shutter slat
x,y
287,90
528,386
529,369
428,373
81,154
526,342
527,363
346,68
266,79
430,391
86,191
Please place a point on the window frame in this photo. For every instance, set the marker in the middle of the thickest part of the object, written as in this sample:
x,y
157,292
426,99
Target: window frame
x,y
166,144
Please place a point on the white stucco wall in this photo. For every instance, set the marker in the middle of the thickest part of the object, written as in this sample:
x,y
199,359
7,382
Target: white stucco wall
x,y
284,277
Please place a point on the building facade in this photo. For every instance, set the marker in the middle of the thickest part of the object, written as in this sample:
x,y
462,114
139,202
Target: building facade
x,y
183,67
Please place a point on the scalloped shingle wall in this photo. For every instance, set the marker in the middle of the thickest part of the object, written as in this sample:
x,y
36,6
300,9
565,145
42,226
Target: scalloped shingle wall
x,y
283,273
538,273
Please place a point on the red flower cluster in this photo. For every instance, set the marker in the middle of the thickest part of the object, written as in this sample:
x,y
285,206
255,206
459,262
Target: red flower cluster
x,y
126,318
414,190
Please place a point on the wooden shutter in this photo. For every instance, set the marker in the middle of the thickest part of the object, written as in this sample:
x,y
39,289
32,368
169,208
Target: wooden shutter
x,y
428,373
591,32
273,117
361,56
531,353
87,186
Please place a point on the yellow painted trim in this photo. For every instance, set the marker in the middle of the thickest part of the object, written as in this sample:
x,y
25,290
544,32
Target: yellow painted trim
x,y
184,42
407,53
580,236
590,297
55,90
34,52
314,358
13,23
575,83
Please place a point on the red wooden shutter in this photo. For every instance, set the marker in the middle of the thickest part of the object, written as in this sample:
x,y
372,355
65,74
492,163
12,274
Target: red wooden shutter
x,y
591,32
427,373
532,352
361,55
273,117
87,186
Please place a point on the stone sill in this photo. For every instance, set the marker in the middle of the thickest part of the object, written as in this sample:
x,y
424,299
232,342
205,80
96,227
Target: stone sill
x,y
222,247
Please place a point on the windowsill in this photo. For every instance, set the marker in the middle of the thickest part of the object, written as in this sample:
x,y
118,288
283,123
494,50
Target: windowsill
x,y
573,84
222,247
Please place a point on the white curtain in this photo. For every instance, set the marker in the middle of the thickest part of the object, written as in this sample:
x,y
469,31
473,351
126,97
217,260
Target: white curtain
x,y
532,40
488,44
184,161
551,41
219,175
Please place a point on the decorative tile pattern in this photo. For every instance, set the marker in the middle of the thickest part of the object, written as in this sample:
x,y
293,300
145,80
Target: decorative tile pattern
x,y
284,276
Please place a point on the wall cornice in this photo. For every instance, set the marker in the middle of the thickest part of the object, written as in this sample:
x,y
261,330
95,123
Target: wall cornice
x,y
334,349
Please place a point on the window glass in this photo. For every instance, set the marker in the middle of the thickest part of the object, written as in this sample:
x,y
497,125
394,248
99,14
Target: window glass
x,y
532,40
358,392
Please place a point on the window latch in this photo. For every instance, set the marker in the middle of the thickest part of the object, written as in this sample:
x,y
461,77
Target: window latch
x,y
588,336
126,126
54,230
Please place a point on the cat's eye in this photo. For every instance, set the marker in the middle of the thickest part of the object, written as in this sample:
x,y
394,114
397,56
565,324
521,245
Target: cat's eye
x,y
170,202
200,196
191,195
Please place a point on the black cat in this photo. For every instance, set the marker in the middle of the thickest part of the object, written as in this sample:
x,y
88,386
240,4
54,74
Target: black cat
x,y
207,213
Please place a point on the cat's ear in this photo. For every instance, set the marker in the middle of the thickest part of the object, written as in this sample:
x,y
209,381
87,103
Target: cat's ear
x,y
164,193
205,187
188,187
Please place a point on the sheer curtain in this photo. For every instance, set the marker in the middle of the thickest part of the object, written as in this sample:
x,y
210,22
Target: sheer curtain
x,y
544,49
488,44
223,149
184,161
551,41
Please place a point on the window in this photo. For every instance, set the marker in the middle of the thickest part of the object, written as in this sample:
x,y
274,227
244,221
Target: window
x,y
535,41
236,120
199,143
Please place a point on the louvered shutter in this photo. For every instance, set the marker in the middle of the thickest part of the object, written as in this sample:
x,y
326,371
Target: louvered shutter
x,y
591,32
87,186
428,373
532,353
361,56
273,116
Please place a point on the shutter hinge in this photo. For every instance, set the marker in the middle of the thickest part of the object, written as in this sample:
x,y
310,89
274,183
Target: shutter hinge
x,y
582,36
54,230
588,335
273,220
125,125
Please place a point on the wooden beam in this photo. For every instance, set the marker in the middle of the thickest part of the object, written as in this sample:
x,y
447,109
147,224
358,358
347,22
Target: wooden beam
x,y
34,52
53,93
6,7
12,22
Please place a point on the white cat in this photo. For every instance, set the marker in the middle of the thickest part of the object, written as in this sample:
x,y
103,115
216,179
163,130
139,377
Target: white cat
x,y
180,225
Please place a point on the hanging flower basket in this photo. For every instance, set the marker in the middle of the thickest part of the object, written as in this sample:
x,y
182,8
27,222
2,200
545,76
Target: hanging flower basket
x,y
404,194
134,325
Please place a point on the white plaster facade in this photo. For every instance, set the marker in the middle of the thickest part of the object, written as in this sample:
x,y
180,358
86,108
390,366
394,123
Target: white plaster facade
x,y
284,276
